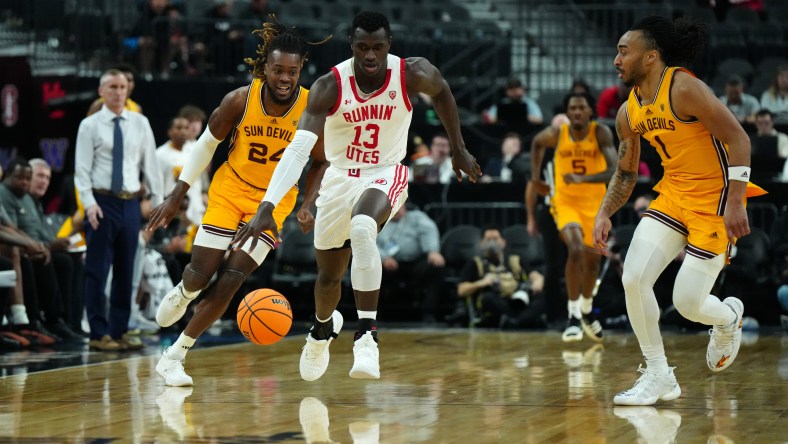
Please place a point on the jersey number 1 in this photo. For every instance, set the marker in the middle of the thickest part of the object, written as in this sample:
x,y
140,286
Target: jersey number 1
x,y
258,153
662,145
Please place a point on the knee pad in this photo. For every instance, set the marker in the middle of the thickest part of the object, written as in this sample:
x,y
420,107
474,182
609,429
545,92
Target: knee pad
x,y
366,271
363,237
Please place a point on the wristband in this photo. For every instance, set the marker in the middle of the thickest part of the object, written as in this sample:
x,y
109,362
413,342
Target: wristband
x,y
740,173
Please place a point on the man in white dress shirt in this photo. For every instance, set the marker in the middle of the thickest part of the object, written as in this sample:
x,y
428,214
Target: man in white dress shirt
x,y
113,147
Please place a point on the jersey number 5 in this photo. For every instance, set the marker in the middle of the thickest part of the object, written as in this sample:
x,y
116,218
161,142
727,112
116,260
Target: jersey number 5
x,y
579,166
258,153
372,139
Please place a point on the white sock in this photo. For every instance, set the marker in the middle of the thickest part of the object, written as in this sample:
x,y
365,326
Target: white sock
x,y
367,314
573,308
586,304
180,347
322,320
189,294
19,314
655,358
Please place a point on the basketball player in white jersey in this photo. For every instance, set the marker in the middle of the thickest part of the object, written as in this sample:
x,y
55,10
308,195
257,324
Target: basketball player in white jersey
x,y
362,111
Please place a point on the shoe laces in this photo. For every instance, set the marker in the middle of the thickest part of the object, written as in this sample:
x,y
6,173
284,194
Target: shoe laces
x,y
722,338
365,347
315,348
647,380
178,299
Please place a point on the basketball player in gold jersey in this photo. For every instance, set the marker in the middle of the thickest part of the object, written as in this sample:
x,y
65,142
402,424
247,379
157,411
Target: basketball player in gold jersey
x,y
706,156
263,117
584,162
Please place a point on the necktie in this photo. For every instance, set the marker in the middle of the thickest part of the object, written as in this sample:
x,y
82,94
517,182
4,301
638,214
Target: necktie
x,y
117,158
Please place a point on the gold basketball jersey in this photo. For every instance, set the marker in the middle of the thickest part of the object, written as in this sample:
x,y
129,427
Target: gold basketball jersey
x,y
578,157
695,163
259,140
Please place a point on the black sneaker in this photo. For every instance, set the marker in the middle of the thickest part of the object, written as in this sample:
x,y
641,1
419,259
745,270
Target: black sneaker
x,y
592,327
65,332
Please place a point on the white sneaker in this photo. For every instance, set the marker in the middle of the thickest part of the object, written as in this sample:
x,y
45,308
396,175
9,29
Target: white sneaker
x,y
145,325
172,307
313,415
172,412
573,331
650,388
652,425
366,363
172,371
725,341
314,355
365,432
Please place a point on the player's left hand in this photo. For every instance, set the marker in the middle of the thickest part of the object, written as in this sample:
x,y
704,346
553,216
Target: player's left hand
x,y
572,178
262,221
306,221
602,227
736,223
464,162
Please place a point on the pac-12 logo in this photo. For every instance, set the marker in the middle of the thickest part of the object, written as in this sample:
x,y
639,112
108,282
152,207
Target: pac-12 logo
x,y
381,181
392,94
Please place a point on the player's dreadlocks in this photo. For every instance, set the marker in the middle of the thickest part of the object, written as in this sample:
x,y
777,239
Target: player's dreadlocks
x,y
276,36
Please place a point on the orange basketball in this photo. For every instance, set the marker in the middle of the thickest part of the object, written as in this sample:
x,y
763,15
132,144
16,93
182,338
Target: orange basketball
x,y
264,316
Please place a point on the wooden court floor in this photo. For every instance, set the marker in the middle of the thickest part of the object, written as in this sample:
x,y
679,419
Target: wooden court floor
x,y
437,386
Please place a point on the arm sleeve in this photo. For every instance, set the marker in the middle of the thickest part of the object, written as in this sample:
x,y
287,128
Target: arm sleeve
x,y
291,166
201,155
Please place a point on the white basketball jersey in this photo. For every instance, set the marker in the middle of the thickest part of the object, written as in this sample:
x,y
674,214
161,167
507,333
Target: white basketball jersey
x,y
368,130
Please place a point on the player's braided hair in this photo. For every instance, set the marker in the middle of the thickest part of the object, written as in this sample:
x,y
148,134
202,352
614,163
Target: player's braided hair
x,y
275,36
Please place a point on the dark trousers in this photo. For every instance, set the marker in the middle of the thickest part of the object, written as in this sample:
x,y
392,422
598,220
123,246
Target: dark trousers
x,y
113,243
41,290
555,260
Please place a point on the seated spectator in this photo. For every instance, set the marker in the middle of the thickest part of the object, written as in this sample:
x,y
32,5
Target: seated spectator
x,y
435,168
43,273
502,292
224,39
509,163
742,105
409,247
517,111
610,99
764,122
775,99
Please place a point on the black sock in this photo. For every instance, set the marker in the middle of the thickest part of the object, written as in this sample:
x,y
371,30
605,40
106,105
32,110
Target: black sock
x,y
323,330
367,325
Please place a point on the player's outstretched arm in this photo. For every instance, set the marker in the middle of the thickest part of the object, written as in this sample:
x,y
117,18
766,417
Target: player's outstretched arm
x,y
423,77
222,120
322,97
623,181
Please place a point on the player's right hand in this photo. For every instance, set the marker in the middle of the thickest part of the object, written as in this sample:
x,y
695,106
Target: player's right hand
x,y
262,221
602,226
162,215
464,162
